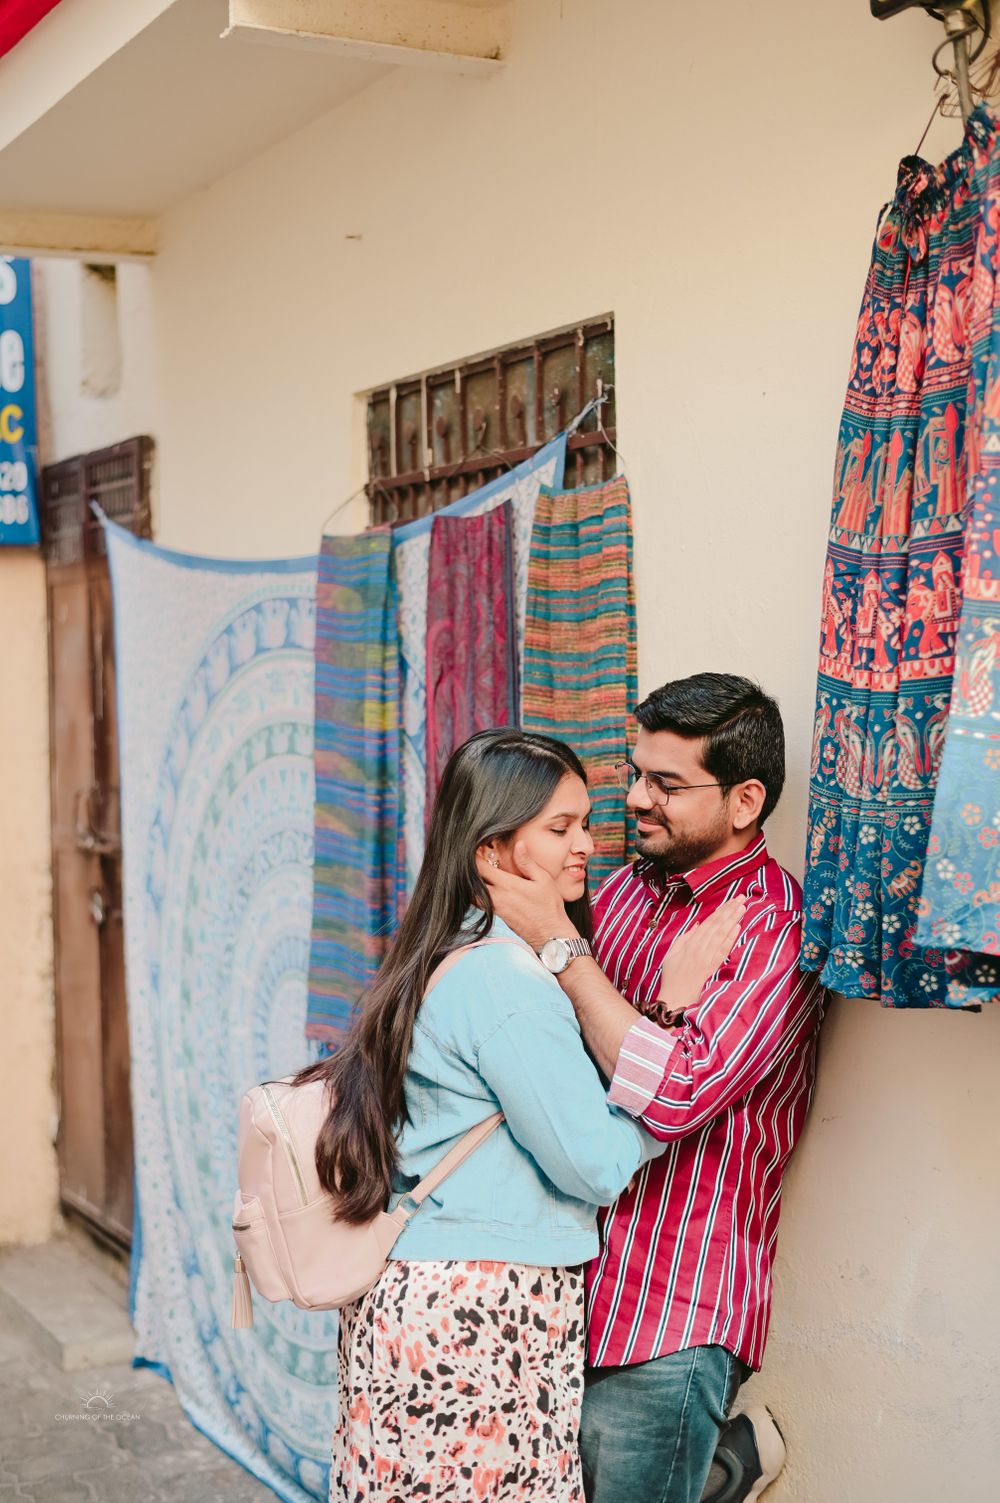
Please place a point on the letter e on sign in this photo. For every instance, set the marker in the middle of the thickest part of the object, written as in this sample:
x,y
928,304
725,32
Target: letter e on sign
x,y
11,360
8,281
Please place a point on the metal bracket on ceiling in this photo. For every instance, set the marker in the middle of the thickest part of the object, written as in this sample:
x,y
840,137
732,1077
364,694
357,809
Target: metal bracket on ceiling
x,y
962,19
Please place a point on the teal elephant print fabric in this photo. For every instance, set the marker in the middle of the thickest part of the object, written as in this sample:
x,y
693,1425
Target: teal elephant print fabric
x,y
897,770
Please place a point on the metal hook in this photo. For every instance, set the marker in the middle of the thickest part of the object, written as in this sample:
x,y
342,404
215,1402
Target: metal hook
x,y
960,18
959,26
600,401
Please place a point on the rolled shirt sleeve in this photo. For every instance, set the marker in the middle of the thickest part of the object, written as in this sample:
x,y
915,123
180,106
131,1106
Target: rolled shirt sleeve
x,y
643,1062
756,1008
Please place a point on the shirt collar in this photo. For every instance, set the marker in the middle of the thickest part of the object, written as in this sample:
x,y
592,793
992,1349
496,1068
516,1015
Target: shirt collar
x,y
700,880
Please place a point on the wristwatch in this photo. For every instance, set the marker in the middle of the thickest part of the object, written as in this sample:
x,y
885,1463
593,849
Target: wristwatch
x,y
556,954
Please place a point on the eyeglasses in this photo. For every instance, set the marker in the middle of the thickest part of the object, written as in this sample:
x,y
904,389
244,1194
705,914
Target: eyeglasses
x,y
657,787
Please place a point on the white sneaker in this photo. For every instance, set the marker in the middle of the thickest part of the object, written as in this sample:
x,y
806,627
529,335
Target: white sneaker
x,y
750,1454
770,1445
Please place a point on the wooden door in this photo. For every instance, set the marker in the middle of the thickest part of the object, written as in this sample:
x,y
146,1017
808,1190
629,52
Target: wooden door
x,y
92,1053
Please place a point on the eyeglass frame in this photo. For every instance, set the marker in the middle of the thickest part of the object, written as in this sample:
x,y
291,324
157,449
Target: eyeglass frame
x,y
660,795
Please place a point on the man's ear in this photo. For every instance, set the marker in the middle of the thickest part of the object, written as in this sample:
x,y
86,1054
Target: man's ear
x,y
745,803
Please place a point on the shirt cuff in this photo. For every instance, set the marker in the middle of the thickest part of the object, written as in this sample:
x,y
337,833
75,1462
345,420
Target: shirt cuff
x,y
643,1061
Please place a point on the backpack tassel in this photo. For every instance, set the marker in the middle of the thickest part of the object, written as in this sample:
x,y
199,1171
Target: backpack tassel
x,y
242,1302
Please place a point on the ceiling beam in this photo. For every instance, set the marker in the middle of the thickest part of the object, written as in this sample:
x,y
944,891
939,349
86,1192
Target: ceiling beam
x,y
96,238
72,42
450,35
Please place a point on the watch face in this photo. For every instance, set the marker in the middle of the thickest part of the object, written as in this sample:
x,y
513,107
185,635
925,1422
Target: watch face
x,y
555,955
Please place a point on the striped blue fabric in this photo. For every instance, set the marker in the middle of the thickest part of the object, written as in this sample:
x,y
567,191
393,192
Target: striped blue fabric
x,y
357,878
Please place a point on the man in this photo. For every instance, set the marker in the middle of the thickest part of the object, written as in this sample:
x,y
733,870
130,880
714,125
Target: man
x,y
679,1297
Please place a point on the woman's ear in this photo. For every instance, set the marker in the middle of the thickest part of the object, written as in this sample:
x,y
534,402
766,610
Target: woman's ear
x,y
488,852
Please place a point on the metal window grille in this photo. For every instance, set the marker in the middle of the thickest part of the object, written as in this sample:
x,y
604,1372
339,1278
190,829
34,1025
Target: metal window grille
x,y
116,478
435,437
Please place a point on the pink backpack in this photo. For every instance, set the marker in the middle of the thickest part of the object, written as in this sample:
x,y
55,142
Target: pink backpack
x,y
288,1237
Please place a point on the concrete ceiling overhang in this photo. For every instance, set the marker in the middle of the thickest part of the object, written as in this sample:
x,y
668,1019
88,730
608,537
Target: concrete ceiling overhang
x,y
106,124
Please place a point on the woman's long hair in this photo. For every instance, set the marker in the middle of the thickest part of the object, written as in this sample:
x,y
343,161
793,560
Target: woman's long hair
x,y
493,784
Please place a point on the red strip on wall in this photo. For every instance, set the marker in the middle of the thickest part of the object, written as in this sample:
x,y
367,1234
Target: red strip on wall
x,y
18,17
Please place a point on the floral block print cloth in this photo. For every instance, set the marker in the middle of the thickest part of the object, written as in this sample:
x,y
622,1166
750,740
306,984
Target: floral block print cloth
x,y
892,584
461,1383
356,880
579,662
471,641
214,667
959,907
411,559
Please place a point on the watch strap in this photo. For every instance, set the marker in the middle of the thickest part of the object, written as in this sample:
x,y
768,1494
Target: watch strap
x,y
574,949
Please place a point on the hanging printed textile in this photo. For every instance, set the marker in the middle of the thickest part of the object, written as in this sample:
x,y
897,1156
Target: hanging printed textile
x,y
471,645
411,558
215,704
891,592
579,663
357,875
959,908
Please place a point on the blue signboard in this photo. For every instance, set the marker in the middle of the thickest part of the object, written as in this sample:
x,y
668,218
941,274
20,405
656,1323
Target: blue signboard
x,y
18,433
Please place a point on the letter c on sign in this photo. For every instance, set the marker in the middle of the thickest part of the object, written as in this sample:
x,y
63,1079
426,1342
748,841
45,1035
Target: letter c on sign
x,y
8,417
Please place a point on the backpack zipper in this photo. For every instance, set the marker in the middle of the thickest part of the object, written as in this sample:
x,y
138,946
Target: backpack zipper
x,y
286,1142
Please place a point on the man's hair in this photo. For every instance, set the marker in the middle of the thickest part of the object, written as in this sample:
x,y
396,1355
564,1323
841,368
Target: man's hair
x,y
739,724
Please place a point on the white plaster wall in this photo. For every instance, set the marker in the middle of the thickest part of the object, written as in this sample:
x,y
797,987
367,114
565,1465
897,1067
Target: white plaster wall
x,y
882,1361
712,174
78,421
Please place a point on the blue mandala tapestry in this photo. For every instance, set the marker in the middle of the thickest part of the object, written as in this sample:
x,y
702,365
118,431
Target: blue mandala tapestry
x,y
215,705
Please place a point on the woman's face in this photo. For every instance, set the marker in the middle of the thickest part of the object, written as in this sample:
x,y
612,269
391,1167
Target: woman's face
x,y
558,839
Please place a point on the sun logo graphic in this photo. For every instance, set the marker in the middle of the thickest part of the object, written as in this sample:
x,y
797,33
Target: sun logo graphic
x,y
99,1399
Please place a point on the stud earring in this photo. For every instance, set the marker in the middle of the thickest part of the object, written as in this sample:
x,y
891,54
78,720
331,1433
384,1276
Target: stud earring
x,y
492,860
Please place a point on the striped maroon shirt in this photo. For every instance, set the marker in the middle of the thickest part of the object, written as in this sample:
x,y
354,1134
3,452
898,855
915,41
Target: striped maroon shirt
x,y
686,1251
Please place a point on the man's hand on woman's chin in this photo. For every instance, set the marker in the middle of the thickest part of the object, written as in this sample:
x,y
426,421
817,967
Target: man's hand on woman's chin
x,y
529,903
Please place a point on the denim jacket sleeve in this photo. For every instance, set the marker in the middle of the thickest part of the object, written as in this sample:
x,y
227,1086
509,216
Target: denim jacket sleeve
x,y
554,1101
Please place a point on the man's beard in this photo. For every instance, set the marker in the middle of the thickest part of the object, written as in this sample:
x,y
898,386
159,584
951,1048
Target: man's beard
x,y
671,854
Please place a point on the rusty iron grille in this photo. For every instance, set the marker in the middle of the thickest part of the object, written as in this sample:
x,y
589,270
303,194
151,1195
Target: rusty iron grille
x,y
116,478
433,438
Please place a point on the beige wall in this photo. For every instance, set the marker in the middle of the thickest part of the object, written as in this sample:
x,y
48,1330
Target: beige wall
x,y
713,175
28,1180
70,422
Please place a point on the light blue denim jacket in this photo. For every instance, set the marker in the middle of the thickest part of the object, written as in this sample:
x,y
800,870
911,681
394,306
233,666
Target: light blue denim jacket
x,y
497,1031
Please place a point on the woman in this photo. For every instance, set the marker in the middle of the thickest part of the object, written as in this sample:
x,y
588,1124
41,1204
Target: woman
x,y
461,1372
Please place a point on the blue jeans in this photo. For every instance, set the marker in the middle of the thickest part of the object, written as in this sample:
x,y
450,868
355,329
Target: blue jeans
x,y
649,1432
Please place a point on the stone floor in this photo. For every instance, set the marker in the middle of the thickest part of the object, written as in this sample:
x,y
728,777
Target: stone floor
x,y
79,1424
70,1436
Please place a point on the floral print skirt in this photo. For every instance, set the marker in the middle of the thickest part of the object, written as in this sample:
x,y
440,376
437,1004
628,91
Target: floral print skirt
x,y
462,1383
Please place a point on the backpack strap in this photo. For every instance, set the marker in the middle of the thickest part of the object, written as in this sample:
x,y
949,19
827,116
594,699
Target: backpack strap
x,y
453,955
463,1148
471,1140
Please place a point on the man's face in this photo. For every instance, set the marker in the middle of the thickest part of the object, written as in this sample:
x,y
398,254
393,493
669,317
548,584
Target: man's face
x,y
696,822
